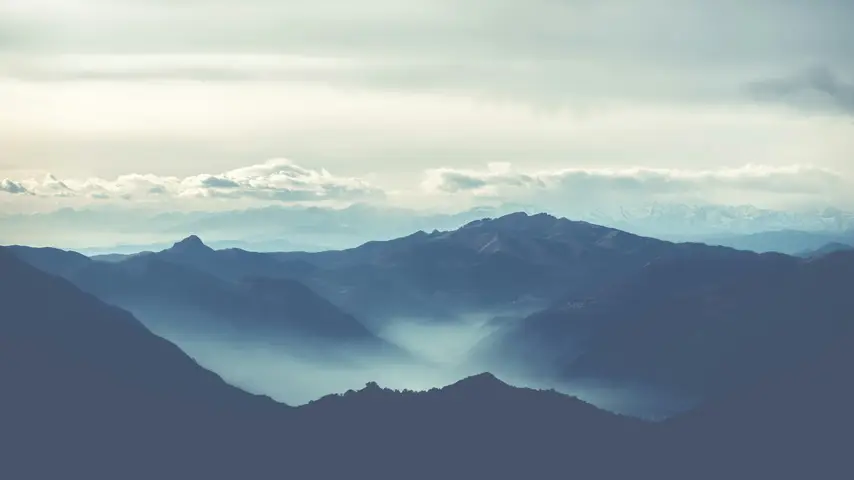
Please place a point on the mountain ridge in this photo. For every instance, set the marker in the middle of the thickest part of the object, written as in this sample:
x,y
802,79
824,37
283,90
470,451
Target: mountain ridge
x,y
116,425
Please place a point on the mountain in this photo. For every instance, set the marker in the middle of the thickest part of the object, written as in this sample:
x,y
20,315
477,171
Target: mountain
x,y
502,263
796,423
699,325
88,391
790,242
174,298
92,390
514,263
291,228
479,427
102,229
685,222
827,249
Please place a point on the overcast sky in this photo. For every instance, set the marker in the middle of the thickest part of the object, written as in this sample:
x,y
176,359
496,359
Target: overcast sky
x,y
213,103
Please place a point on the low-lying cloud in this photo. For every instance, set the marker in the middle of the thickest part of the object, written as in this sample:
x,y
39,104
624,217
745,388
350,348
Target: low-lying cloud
x,y
628,186
277,180
566,191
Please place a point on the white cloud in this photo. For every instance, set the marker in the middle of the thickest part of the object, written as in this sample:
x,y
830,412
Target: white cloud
x,y
564,191
275,180
561,189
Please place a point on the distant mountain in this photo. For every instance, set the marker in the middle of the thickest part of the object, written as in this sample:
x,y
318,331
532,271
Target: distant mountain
x,y
174,298
790,242
296,228
700,325
517,259
827,249
127,230
681,222
517,262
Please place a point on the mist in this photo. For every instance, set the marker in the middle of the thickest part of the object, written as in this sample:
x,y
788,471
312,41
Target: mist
x,y
298,369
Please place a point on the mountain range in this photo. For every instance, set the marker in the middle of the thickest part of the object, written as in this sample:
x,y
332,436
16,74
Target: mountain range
x,y
791,242
703,326
102,230
573,301
90,392
174,299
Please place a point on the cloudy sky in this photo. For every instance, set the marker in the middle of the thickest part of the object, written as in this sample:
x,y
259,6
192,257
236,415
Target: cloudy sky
x,y
211,104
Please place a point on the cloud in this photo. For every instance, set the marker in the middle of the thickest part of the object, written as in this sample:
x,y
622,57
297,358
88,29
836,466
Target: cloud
x,y
15,188
275,180
532,49
602,187
559,190
814,88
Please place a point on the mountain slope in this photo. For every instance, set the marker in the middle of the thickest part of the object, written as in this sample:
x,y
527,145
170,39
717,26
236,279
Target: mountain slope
x,y
172,297
516,261
790,242
479,427
797,423
832,247
702,326
489,263
88,389
89,392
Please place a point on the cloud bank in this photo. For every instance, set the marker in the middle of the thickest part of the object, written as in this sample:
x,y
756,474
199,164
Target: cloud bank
x,y
622,187
277,180
560,190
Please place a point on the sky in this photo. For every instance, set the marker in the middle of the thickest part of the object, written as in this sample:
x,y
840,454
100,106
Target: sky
x,y
434,104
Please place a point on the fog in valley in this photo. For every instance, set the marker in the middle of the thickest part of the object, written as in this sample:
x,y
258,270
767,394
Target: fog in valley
x,y
299,370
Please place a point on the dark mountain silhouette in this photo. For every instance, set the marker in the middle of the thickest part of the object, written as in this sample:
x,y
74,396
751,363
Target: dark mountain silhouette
x,y
479,427
796,423
88,392
52,260
699,325
175,297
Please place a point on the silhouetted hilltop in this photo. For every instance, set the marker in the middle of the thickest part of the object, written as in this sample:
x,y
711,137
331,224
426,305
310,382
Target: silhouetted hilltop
x,y
478,426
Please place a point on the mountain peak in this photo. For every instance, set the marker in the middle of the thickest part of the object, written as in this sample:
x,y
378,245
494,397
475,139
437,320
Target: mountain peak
x,y
517,220
481,381
190,244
